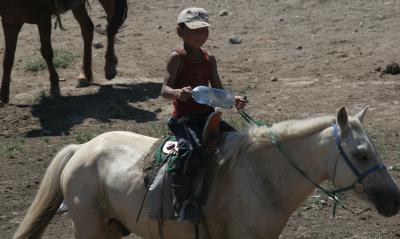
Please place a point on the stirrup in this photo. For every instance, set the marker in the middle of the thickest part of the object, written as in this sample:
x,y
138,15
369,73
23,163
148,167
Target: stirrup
x,y
62,209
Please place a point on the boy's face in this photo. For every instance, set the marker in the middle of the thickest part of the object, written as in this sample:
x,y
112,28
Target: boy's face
x,y
193,37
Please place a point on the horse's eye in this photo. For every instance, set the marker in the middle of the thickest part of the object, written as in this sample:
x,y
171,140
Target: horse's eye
x,y
361,155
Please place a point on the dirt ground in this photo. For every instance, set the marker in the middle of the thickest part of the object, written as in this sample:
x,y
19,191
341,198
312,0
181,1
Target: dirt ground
x,y
297,58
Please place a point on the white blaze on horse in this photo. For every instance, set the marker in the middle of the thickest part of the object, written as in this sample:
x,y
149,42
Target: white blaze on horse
x,y
254,191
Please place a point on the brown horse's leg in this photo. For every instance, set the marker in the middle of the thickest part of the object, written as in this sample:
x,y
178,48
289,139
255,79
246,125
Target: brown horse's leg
x,y
44,26
11,31
110,67
116,14
87,27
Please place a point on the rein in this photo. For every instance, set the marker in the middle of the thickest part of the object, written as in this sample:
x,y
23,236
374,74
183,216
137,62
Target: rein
x,y
357,185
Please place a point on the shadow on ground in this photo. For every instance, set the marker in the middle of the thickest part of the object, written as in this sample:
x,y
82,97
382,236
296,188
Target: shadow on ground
x,y
57,116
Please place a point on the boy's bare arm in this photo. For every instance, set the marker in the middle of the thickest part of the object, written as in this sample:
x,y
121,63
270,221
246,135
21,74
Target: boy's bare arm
x,y
167,90
215,80
240,102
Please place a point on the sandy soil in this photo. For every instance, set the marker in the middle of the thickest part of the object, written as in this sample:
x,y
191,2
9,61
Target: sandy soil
x,y
321,54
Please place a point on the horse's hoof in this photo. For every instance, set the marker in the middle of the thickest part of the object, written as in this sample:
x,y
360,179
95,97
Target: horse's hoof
x,y
55,93
4,100
110,74
2,104
82,83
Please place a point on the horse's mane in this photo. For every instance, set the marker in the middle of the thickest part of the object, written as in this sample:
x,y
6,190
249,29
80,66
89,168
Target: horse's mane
x,y
234,143
289,130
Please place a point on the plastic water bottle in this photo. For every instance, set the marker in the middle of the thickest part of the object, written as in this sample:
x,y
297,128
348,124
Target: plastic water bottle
x,y
213,97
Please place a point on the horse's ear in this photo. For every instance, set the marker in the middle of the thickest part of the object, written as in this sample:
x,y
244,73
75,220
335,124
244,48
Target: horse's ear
x,y
343,119
360,115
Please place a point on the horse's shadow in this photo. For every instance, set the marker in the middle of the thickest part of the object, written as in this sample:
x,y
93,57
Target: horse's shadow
x,y
57,116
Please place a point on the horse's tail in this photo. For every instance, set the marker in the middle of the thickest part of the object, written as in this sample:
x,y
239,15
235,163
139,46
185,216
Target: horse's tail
x,y
48,198
118,17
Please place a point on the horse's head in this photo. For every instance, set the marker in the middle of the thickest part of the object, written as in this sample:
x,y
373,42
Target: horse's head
x,y
359,167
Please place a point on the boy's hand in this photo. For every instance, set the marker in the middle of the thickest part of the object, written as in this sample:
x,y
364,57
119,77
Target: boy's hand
x,y
240,102
185,93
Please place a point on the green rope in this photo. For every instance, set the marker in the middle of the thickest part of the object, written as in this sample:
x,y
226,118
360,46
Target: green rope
x,y
250,120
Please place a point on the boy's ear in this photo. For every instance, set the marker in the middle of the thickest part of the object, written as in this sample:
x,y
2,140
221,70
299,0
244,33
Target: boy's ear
x,y
179,31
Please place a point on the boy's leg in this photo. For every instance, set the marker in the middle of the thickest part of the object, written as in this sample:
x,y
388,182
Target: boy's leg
x,y
182,179
186,208
185,150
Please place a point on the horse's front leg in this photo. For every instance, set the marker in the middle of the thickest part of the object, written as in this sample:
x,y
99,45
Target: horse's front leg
x,y
110,67
44,26
116,14
86,24
11,31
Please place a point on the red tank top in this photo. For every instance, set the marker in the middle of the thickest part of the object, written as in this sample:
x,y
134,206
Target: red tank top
x,y
192,74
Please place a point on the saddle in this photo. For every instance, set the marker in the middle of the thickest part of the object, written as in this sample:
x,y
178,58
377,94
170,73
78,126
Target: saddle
x,y
158,176
210,132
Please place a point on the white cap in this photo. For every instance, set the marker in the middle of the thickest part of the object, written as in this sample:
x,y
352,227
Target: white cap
x,y
194,17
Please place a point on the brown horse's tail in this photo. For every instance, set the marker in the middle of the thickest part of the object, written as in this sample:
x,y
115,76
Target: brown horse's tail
x,y
118,17
48,198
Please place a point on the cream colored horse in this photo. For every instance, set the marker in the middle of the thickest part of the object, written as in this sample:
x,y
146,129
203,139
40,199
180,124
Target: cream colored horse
x,y
252,196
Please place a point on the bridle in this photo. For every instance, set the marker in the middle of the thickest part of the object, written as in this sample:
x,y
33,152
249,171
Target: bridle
x,y
357,185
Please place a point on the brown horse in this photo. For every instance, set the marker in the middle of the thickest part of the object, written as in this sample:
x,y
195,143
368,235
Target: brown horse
x,y
17,12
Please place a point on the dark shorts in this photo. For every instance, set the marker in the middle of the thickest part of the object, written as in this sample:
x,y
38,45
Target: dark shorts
x,y
188,132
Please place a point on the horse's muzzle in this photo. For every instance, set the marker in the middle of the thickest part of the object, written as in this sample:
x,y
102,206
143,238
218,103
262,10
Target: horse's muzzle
x,y
386,201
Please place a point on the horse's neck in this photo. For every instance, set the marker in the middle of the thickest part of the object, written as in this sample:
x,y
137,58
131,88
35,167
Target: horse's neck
x,y
294,188
280,187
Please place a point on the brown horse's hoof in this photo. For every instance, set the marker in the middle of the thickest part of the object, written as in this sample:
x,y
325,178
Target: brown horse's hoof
x,y
55,92
111,73
80,83
4,100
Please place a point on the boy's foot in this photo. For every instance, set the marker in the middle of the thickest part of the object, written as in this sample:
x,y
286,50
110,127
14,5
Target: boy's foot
x,y
190,212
